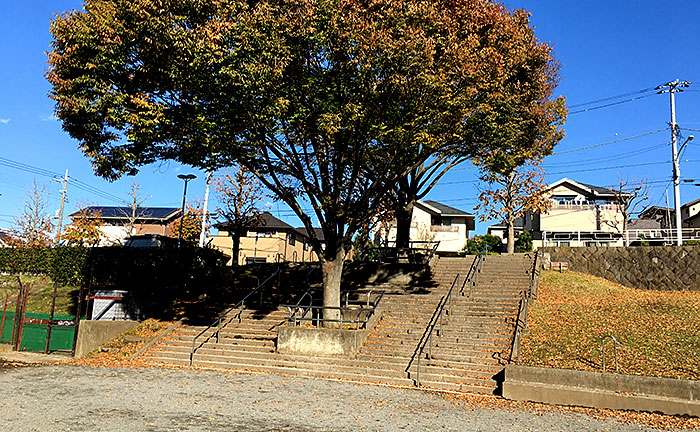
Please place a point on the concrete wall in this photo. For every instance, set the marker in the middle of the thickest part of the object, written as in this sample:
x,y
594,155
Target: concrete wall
x,y
602,390
666,268
93,334
324,342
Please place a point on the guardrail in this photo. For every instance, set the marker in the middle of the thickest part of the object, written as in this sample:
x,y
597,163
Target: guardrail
x,y
219,322
428,338
298,312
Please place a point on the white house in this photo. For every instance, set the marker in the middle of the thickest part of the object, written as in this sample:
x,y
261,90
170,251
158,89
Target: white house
x,y
433,222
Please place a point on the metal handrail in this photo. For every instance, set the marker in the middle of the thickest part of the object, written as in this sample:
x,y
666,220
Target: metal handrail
x,y
429,250
521,320
602,349
219,320
298,312
474,271
428,338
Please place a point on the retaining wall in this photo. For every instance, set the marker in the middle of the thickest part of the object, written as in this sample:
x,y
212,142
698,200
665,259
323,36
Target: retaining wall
x,y
667,268
602,390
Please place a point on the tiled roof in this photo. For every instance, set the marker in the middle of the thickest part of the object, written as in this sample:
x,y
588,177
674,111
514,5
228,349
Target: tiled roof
x,y
268,222
106,212
317,231
445,209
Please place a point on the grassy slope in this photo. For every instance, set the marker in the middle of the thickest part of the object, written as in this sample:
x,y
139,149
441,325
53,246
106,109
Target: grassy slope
x,y
40,294
658,332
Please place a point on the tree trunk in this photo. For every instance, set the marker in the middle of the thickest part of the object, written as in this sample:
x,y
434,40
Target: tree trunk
x,y
404,215
235,246
510,246
332,274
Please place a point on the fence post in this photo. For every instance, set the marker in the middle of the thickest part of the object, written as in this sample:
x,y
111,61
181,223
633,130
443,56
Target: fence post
x,y
50,324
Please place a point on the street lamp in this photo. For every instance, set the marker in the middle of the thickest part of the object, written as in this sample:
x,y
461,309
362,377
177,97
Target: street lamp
x,y
186,178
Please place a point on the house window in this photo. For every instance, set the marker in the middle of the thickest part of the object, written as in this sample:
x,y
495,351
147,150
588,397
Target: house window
x,y
444,221
292,239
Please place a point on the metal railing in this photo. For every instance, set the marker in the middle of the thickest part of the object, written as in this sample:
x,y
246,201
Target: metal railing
x,y
582,238
602,349
521,321
428,337
220,323
474,271
414,255
298,312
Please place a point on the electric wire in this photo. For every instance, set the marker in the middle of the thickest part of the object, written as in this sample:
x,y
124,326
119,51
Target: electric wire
x,y
613,97
611,104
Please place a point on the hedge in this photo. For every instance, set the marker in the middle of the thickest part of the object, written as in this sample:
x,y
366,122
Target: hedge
x,y
114,266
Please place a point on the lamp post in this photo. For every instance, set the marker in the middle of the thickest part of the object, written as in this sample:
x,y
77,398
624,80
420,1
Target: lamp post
x,y
186,178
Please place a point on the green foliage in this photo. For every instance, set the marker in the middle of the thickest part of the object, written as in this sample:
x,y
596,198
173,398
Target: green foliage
x,y
691,243
365,250
524,242
117,267
476,244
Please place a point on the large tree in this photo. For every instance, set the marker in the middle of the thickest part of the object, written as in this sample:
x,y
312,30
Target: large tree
x,y
512,118
327,102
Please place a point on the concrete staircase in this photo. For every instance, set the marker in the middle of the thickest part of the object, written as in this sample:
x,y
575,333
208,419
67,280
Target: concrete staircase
x,y
464,357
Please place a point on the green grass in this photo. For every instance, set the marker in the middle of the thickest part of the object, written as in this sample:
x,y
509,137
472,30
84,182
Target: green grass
x,y
40,294
658,331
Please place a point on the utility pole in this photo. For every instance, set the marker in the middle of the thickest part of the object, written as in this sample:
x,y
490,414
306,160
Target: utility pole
x,y
60,211
672,88
205,213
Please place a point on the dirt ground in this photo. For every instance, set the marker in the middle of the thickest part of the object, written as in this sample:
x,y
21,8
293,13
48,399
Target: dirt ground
x,y
69,397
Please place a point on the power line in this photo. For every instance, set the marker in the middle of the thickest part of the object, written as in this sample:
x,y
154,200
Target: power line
x,y
611,104
585,170
613,97
46,173
607,158
610,142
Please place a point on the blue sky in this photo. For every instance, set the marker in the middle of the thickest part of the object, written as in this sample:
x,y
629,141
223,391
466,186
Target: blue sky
x,y
605,48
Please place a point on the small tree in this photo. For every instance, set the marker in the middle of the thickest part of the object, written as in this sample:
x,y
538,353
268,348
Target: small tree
x,y
510,195
85,229
629,194
191,224
476,244
240,194
34,224
131,214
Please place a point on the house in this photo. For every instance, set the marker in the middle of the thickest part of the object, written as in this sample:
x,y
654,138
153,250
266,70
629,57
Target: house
x,y
5,239
118,221
271,241
664,216
580,215
433,222
690,214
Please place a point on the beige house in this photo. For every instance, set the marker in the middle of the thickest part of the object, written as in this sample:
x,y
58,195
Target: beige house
x,y
273,241
433,222
580,215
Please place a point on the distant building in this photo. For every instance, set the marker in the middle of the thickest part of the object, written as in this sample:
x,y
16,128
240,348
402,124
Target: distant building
x,y
580,215
272,241
116,220
433,222
690,214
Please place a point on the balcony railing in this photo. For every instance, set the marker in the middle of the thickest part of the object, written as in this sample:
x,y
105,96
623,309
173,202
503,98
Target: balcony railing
x,y
608,238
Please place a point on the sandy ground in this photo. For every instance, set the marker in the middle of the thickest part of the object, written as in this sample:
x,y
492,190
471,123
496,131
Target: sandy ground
x,y
77,398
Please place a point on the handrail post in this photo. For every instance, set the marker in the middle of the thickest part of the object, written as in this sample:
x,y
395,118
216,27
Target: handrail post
x,y
602,349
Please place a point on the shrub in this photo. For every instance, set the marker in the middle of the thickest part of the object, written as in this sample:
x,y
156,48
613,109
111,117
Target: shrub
x,y
476,244
523,242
